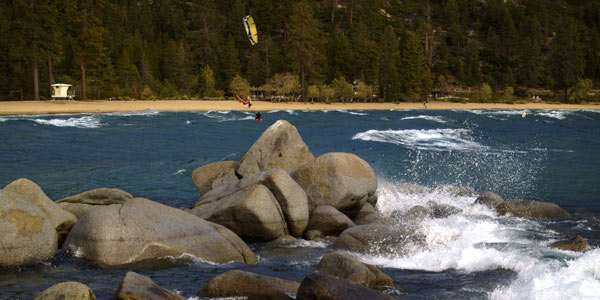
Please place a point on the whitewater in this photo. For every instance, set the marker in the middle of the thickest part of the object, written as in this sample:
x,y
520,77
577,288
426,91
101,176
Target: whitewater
x,y
421,158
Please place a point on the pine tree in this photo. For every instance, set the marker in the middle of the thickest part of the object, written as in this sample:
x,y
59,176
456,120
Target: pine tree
x,y
412,63
389,88
567,61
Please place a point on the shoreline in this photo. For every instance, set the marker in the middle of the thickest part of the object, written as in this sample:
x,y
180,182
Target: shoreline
x,y
8,108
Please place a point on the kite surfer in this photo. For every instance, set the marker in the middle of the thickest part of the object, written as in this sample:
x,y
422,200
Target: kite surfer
x,y
258,117
248,101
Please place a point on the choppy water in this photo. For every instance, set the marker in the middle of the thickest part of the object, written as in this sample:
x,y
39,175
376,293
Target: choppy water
x,y
547,156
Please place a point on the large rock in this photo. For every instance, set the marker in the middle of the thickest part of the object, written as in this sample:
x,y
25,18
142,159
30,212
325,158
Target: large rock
x,y
140,230
379,239
367,215
82,203
489,199
532,209
253,286
252,212
139,287
209,176
317,286
67,290
280,146
344,266
60,218
342,180
26,233
328,220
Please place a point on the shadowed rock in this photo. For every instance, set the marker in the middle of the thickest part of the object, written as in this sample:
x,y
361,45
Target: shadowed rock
x,y
60,218
367,215
326,287
379,239
250,285
209,176
140,230
280,146
577,244
532,209
136,286
345,266
26,233
82,203
489,199
67,290
342,180
328,220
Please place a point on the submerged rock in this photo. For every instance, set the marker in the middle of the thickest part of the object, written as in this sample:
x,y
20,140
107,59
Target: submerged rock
x,y
26,233
245,284
136,286
322,286
210,176
82,203
342,180
532,209
280,146
577,244
345,266
67,290
62,220
328,220
140,230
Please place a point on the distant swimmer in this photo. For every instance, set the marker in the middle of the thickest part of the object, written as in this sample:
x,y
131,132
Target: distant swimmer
x,y
524,114
248,101
258,117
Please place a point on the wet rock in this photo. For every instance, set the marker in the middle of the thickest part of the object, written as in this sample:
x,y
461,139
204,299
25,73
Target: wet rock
x,y
313,235
342,180
67,290
455,191
577,244
489,199
82,203
62,220
210,176
135,286
142,230
26,233
379,239
250,285
532,209
443,210
344,266
367,215
415,214
328,220
253,213
280,146
282,241
322,286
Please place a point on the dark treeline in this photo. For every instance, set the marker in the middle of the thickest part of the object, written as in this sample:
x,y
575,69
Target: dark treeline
x,y
398,50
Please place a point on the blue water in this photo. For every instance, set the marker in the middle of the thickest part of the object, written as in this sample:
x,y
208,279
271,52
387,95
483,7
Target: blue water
x,y
546,155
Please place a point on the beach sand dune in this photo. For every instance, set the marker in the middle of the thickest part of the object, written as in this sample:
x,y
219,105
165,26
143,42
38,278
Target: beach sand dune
x,y
57,107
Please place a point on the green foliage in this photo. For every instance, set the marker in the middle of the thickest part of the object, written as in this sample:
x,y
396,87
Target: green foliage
x,y
326,92
313,92
580,91
364,91
285,84
509,95
239,86
342,88
485,93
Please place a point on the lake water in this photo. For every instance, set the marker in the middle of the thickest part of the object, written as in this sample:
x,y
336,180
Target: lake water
x,y
546,155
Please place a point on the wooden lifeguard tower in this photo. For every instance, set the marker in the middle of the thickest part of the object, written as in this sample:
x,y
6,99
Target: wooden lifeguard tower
x,y
61,91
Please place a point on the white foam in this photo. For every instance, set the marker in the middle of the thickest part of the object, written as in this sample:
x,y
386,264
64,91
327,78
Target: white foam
x,y
134,113
424,117
424,139
226,116
180,171
555,114
301,243
78,122
352,112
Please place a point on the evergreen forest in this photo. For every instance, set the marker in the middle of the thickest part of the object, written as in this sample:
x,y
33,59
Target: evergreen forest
x,y
312,50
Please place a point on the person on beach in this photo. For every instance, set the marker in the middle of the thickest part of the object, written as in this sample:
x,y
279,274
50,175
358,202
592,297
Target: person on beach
x,y
248,101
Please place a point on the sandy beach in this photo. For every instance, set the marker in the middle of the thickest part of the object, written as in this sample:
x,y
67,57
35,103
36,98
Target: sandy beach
x,y
69,107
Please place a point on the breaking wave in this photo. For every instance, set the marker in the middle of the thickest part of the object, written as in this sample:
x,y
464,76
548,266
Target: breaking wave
x,y
78,122
424,139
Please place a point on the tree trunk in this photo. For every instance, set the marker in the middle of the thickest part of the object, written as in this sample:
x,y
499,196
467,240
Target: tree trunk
x,y
302,90
351,11
82,64
50,77
36,87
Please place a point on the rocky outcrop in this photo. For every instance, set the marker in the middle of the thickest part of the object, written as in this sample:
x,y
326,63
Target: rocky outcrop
x,y
67,290
344,266
252,212
60,218
322,286
27,235
328,221
379,239
532,209
280,146
577,244
81,203
250,285
140,230
367,215
136,286
210,176
342,180
489,199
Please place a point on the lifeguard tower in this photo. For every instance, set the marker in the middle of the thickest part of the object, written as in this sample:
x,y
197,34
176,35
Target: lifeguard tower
x,y
61,91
